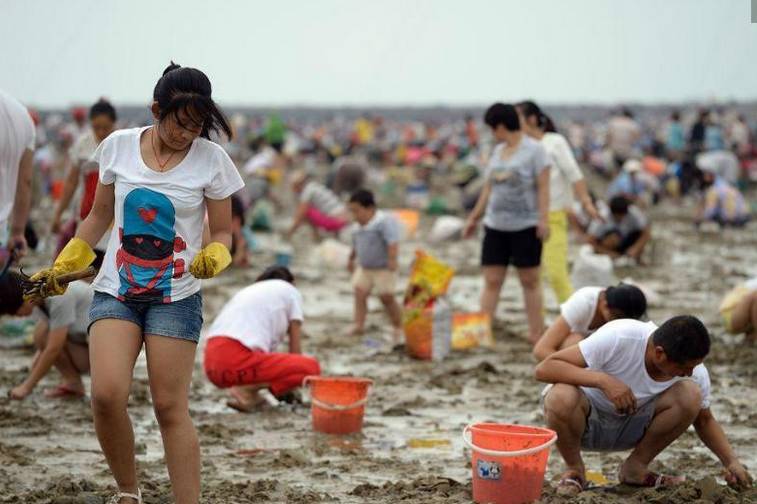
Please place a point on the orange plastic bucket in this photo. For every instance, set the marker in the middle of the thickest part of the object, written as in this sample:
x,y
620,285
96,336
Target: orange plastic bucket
x,y
338,403
509,461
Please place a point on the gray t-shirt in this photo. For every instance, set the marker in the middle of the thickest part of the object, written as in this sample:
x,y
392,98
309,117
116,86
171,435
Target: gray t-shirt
x,y
513,203
371,242
634,220
69,310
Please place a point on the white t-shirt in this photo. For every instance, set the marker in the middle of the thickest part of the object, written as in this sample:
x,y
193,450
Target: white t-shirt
x,y
564,173
258,316
158,217
16,135
578,310
618,349
70,310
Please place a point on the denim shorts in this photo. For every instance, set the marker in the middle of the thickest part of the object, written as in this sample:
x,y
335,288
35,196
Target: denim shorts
x,y
181,319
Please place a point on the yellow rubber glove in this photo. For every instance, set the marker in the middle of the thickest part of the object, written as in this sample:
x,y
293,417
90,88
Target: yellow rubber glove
x,y
75,256
211,260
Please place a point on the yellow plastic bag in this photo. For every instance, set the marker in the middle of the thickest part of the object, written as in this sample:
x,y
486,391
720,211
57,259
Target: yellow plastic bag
x,y
470,330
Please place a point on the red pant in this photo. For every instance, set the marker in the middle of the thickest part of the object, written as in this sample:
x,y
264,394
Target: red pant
x,y
229,363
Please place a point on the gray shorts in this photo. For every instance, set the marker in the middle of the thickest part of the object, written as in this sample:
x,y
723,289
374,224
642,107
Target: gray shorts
x,y
606,431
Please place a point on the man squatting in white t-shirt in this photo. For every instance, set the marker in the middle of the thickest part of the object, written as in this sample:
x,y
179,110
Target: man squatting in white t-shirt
x,y
633,386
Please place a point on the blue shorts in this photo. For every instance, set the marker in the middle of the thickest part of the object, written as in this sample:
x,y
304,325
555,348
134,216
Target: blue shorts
x,y
181,319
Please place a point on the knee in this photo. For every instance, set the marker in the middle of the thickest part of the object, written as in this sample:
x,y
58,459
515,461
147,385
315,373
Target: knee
x,y
387,299
311,367
361,293
687,397
169,411
561,401
107,401
530,282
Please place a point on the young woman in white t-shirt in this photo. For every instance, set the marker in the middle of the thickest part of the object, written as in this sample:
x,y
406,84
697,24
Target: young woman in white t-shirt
x,y
241,354
155,185
565,180
587,310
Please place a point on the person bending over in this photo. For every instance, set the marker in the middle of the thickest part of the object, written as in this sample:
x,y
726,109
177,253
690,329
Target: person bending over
x,y
633,386
626,232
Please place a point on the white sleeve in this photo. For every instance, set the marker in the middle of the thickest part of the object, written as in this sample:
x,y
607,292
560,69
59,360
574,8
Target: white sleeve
x,y
702,378
295,307
576,310
226,179
567,161
599,348
103,156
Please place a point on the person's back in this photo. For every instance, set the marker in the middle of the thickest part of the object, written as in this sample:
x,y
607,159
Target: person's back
x,y
618,349
725,204
322,198
258,316
16,136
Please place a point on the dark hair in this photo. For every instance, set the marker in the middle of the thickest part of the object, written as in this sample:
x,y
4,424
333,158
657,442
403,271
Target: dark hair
x,y
675,116
626,300
684,338
626,112
530,109
364,198
11,293
276,273
619,205
189,90
504,114
102,107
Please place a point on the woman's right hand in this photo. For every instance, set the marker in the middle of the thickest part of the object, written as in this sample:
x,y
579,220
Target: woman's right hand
x,y
470,228
55,226
620,395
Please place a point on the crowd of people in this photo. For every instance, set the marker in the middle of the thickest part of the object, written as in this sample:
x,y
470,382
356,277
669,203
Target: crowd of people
x,y
155,207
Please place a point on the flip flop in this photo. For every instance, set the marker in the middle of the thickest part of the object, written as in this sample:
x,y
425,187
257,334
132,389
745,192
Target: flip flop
x,y
655,480
63,391
571,484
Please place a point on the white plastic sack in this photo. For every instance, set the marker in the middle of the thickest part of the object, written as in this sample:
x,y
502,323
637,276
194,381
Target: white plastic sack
x,y
446,228
332,254
591,269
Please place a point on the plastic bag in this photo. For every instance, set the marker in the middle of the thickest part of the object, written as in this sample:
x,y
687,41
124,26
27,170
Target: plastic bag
x,y
592,269
470,330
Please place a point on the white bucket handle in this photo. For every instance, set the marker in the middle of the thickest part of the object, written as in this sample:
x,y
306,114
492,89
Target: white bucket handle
x,y
467,440
338,407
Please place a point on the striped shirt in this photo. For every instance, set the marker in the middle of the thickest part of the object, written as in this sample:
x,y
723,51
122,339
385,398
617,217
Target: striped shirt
x,y
322,198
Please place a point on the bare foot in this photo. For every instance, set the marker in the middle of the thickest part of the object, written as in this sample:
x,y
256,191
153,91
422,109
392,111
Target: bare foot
x,y
638,475
572,482
398,336
355,331
244,399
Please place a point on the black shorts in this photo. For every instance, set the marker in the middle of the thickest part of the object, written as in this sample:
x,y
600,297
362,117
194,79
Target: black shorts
x,y
521,248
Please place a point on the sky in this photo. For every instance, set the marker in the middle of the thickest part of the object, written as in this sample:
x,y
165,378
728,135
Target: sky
x,y
381,52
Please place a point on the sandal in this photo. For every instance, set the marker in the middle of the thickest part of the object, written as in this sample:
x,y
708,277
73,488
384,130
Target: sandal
x,y
117,498
571,483
655,480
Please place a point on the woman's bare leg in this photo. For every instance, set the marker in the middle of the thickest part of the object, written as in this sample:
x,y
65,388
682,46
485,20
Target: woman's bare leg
x,y
170,362
113,349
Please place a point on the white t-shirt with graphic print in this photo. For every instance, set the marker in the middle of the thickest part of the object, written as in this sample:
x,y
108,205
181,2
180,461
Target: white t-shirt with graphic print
x,y
158,216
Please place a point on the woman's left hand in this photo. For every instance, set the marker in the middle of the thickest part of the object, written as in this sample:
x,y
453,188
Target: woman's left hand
x,y
542,230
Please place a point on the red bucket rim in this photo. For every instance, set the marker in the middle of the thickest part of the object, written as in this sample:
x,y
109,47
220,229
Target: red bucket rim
x,y
342,379
539,431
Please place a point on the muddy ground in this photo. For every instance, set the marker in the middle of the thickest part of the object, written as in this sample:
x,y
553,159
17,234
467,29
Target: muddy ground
x,y
49,452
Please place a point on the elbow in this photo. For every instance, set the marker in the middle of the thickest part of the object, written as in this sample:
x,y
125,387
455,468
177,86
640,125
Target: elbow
x,y
540,371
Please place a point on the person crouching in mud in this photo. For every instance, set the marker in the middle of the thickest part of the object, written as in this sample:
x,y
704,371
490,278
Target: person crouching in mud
x,y
241,351
633,386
